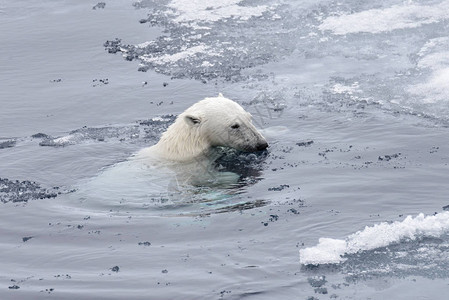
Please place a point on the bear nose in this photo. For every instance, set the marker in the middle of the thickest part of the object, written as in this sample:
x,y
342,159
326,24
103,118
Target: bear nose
x,y
262,146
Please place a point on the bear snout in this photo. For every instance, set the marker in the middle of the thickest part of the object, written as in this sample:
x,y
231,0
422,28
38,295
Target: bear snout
x,y
262,146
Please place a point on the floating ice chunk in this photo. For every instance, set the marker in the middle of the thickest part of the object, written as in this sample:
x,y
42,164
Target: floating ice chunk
x,y
201,41
328,251
331,251
387,19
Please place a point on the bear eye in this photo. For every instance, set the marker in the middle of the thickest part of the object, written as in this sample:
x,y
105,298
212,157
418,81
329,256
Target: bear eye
x,y
235,126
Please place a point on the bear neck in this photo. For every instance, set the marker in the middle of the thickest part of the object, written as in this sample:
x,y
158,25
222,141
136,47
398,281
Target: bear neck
x,y
182,143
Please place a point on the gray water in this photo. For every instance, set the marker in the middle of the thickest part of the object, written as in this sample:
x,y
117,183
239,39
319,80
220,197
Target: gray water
x,y
352,96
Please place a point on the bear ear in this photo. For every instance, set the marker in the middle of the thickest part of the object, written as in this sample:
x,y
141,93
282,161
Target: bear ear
x,y
192,120
220,95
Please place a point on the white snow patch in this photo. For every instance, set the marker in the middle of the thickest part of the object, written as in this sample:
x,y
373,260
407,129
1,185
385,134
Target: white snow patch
x,y
187,11
435,61
331,251
207,64
431,44
64,140
184,54
339,88
159,119
145,44
388,19
436,89
434,57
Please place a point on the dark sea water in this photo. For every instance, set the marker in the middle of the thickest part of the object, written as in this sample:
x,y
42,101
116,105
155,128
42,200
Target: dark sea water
x,y
349,202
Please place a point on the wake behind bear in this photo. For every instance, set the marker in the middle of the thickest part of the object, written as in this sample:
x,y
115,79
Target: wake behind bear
x,y
183,160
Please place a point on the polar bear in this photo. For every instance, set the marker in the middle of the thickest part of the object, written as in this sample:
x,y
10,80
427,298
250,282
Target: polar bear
x,y
209,123
181,167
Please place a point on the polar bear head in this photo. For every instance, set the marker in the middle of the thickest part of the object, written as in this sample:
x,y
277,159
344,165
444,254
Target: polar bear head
x,y
209,123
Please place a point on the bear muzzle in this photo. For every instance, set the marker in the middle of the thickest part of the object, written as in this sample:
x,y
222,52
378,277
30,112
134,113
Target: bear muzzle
x,y
262,146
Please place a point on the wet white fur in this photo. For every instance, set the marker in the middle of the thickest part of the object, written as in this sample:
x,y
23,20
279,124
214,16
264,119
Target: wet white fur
x,y
206,124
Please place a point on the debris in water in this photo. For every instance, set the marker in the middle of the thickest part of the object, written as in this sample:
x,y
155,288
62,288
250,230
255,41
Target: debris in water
x,y
99,5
